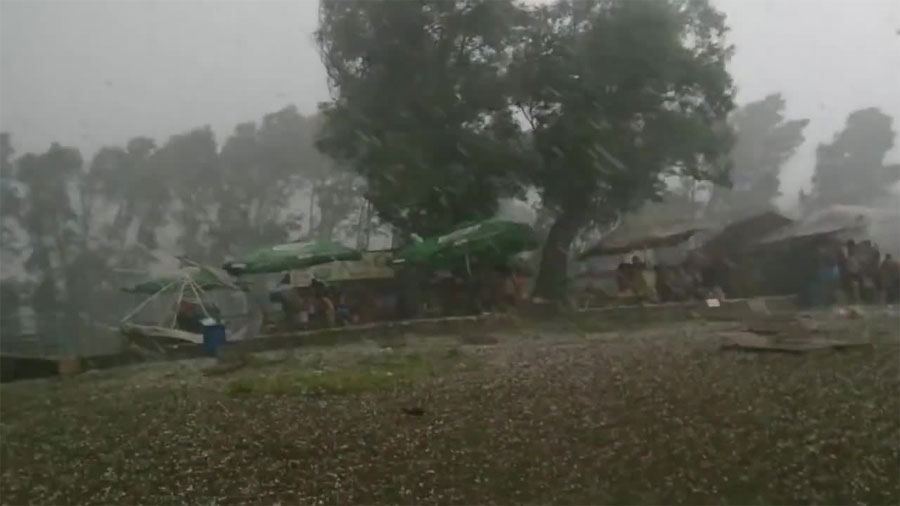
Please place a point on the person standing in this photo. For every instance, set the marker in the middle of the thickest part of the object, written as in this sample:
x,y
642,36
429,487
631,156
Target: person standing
x,y
828,277
323,305
851,272
623,279
890,279
637,280
868,262
343,313
874,268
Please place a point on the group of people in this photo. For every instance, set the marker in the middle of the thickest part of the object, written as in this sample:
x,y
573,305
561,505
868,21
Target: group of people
x,y
413,293
857,272
697,278
488,288
316,306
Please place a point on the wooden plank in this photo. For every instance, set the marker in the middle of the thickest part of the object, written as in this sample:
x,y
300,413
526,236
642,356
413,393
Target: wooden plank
x,y
750,341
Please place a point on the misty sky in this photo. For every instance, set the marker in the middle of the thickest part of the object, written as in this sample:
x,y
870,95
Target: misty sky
x,y
93,73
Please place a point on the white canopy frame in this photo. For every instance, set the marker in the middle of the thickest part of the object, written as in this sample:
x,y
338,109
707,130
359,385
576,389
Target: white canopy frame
x,y
186,287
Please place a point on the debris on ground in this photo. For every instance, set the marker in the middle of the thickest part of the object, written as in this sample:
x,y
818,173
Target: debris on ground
x,y
790,334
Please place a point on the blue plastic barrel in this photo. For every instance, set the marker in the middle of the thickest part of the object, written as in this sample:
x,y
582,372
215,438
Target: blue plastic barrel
x,y
213,337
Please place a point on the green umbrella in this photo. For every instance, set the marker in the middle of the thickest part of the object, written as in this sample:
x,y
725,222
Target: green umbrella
x,y
495,240
294,255
207,278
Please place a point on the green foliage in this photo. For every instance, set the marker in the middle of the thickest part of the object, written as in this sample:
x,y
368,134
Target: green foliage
x,y
189,164
851,169
261,169
48,217
67,263
10,198
6,153
619,93
419,105
765,140
129,185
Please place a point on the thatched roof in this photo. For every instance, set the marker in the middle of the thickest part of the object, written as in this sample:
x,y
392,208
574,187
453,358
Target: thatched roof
x,y
631,238
832,220
741,234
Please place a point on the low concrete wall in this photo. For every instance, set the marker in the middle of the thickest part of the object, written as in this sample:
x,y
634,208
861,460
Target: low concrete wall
x,y
591,319
15,368
375,331
728,309
584,319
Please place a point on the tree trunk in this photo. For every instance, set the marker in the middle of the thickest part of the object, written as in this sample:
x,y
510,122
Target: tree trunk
x,y
552,276
312,201
367,233
361,225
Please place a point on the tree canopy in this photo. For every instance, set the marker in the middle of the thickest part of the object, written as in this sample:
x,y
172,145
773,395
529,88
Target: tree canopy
x,y
420,109
620,95
765,140
851,169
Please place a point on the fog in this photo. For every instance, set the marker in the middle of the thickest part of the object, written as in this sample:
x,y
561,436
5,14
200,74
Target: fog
x,y
89,74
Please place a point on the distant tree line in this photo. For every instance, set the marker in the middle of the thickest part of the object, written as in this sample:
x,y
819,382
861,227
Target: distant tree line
x,y
70,228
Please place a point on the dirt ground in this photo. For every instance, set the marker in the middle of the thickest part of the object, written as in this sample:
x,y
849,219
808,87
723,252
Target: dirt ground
x,y
658,415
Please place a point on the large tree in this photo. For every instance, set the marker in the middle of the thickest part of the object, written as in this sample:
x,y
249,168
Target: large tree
x,y
10,207
265,171
49,217
765,140
263,168
619,94
190,165
127,200
10,197
851,169
419,105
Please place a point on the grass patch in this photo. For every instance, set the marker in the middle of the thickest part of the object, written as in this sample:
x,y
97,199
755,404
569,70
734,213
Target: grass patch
x,y
478,339
381,371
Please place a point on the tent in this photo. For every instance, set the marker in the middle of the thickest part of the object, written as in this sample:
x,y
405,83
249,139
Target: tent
x,y
205,277
294,255
154,322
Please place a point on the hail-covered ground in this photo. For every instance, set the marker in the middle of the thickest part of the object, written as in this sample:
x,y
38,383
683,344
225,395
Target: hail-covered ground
x,y
653,415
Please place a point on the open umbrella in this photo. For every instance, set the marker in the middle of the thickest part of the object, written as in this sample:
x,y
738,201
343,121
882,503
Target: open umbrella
x,y
207,278
493,239
294,255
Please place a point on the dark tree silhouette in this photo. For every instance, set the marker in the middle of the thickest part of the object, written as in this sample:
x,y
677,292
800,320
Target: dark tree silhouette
x,y
851,169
